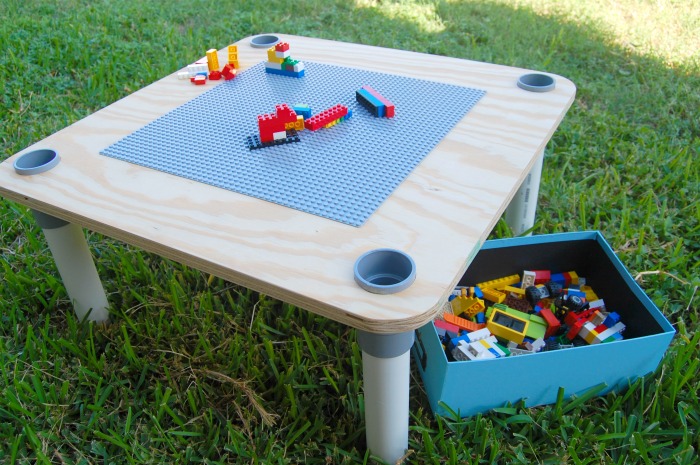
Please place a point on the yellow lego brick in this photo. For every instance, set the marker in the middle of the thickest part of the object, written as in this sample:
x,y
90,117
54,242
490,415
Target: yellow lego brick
x,y
233,55
288,126
299,125
517,291
507,326
212,60
574,277
493,295
590,337
590,295
475,308
271,56
500,283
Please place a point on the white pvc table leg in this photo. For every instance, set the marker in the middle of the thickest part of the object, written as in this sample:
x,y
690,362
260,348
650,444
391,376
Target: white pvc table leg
x,y
76,267
386,366
520,214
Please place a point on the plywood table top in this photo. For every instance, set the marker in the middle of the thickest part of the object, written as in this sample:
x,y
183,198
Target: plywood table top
x,y
440,215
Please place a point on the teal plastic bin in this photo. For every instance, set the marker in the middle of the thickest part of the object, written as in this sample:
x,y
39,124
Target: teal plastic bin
x,y
471,387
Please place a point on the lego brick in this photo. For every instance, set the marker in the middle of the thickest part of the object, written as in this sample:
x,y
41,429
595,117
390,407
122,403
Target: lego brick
x,y
389,108
518,292
450,329
233,56
507,326
283,55
370,102
330,173
212,60
462,323
499,283
553,323
542,276
323,118
272,56
195,68
282,72
302,109
493,295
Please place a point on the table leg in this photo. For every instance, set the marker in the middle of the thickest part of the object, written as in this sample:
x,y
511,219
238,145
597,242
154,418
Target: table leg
x,y
520,214
75,265
386,366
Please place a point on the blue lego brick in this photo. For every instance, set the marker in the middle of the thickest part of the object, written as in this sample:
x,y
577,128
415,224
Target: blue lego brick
x,y
558,278
343,173
570,292
284,72
612,319
302,109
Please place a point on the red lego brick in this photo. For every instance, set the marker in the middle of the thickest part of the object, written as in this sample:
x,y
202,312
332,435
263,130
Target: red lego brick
x,y
214,75
553,323
282,47
572,317
200,80
542,276
451,329
600,328
285,114
567,279
575,329
329,115
228,72
268,125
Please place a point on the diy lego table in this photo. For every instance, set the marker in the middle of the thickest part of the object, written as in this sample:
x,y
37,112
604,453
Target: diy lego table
x,y
439,213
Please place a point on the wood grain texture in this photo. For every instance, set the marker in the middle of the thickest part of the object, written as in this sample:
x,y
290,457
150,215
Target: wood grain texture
x,y
440,215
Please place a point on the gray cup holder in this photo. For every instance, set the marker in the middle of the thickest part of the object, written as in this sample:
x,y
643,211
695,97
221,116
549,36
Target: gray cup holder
x,y
385,271
36,162
536,82
264,41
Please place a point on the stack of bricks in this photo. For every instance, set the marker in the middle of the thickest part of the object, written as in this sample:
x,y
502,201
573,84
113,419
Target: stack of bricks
x,y
279,61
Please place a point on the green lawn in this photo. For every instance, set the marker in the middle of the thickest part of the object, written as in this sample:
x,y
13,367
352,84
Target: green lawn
x,y
196,369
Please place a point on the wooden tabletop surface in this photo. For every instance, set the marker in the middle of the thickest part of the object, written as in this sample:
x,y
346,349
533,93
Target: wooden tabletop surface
x,y
440,215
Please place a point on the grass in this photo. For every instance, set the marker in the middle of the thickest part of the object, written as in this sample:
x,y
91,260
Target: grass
x,y
196,369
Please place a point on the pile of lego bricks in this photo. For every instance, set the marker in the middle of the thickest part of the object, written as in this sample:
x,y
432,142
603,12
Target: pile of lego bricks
x,y
516,315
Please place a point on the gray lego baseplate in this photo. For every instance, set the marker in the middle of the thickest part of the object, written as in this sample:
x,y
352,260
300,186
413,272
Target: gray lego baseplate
x,y
343,173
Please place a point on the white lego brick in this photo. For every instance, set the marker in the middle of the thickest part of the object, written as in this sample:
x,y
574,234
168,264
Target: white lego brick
x,y
287,53
271,65
183,75
279,135
479,334
298,67
195,68
618,328
528,279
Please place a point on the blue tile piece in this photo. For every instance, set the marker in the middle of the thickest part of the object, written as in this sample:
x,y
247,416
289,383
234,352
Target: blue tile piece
x,y
343,173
